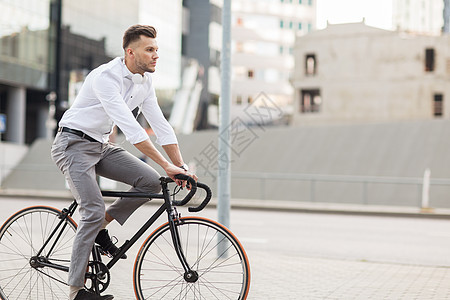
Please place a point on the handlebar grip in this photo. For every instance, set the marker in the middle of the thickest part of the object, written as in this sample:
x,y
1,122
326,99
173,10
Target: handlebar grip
x,y
191,193
205,202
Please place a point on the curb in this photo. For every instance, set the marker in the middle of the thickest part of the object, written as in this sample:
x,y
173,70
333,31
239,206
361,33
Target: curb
x,y
340,208
269,205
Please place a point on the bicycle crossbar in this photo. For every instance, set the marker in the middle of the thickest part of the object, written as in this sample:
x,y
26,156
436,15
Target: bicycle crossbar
x,y
131,195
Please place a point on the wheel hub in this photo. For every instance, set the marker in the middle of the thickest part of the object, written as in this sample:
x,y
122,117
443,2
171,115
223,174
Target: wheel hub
x,y
191,276
35,262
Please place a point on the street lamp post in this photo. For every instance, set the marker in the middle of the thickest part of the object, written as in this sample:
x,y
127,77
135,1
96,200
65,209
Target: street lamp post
x,y
224,186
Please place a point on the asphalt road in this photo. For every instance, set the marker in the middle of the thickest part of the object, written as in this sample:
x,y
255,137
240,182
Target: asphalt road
x,y
316,256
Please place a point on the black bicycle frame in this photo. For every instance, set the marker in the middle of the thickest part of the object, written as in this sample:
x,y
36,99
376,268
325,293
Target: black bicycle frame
x,y
166,206
66,212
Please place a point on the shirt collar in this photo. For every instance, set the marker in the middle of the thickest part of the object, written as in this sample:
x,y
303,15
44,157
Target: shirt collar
x,y
126,72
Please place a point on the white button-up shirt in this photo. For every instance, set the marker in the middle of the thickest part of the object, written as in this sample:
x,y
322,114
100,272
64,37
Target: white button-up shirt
x,y
108,97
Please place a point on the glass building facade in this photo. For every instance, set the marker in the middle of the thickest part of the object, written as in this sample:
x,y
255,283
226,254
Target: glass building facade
x,y
26,42
50,45
27,66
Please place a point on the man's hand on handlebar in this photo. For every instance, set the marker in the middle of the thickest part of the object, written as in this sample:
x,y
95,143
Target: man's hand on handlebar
x,y
172,170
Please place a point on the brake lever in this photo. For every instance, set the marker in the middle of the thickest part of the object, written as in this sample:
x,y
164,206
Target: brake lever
x,y
191,193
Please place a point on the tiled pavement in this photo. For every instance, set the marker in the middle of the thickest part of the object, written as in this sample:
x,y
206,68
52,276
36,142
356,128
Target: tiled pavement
x,y
279,274
282,277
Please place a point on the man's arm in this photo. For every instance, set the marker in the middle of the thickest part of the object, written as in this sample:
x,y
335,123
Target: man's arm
x,y
173,151
147,148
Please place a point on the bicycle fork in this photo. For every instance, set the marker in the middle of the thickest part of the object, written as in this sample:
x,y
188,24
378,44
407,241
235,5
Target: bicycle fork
x,y
189,274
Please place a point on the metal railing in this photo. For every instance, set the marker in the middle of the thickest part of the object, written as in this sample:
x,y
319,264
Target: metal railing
x,y
422,185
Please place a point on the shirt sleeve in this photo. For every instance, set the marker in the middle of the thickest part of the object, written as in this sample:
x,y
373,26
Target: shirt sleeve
x,y
106,87
165,134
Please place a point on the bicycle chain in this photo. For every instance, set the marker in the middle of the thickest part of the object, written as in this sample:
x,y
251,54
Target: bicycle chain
x,y
63,260
60,281
50,276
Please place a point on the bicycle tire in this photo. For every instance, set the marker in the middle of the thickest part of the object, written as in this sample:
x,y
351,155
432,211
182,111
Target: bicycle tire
x,y
21,236
223,274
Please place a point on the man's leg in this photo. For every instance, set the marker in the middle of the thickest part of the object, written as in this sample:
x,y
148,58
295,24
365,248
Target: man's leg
x,y
84,187
120,165
92,211
77,157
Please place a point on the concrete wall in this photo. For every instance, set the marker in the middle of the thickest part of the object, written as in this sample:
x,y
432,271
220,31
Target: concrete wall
x,y
368,74
403,149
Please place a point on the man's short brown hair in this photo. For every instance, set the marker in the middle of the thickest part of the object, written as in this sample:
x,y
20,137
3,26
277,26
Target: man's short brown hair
x,y
134,33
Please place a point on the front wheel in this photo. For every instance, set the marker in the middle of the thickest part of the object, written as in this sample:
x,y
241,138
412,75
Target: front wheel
x,y
210,249
21,237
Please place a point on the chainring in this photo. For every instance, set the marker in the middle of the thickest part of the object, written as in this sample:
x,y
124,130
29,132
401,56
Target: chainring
x,y
99,277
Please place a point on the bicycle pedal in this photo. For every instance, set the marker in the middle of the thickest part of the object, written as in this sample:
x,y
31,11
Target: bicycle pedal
x,y
102,252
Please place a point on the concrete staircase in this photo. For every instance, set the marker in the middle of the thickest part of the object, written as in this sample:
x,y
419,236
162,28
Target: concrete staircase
x,y
401,150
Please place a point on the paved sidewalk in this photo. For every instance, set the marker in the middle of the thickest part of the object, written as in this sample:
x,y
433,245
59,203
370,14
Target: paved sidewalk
x,y
281,273
287,277
282,277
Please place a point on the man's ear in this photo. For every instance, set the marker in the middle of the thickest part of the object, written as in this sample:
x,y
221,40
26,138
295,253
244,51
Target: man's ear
x,y
130,52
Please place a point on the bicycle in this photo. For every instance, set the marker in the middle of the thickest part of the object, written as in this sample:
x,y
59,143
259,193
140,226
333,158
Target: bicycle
x,y
184,258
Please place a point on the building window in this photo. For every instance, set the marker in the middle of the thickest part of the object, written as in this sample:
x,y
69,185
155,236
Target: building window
x,y
281,24
438,105
183,44
214,57
250,74
239,99
310,101
310,64
429,60
300,26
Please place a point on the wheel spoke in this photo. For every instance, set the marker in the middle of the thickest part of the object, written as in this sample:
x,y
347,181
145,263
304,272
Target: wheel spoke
x,y
20,239
222,274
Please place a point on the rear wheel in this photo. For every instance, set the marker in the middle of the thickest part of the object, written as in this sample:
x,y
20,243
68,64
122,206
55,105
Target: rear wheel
x,y
21,237
214,254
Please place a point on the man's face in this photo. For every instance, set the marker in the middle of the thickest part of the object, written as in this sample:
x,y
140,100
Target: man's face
x,y
145,54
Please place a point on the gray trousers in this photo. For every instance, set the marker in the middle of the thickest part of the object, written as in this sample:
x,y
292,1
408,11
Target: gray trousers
x,y
80,161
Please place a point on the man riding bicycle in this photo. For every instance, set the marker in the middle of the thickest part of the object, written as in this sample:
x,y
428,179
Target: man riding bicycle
x,y
81,150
